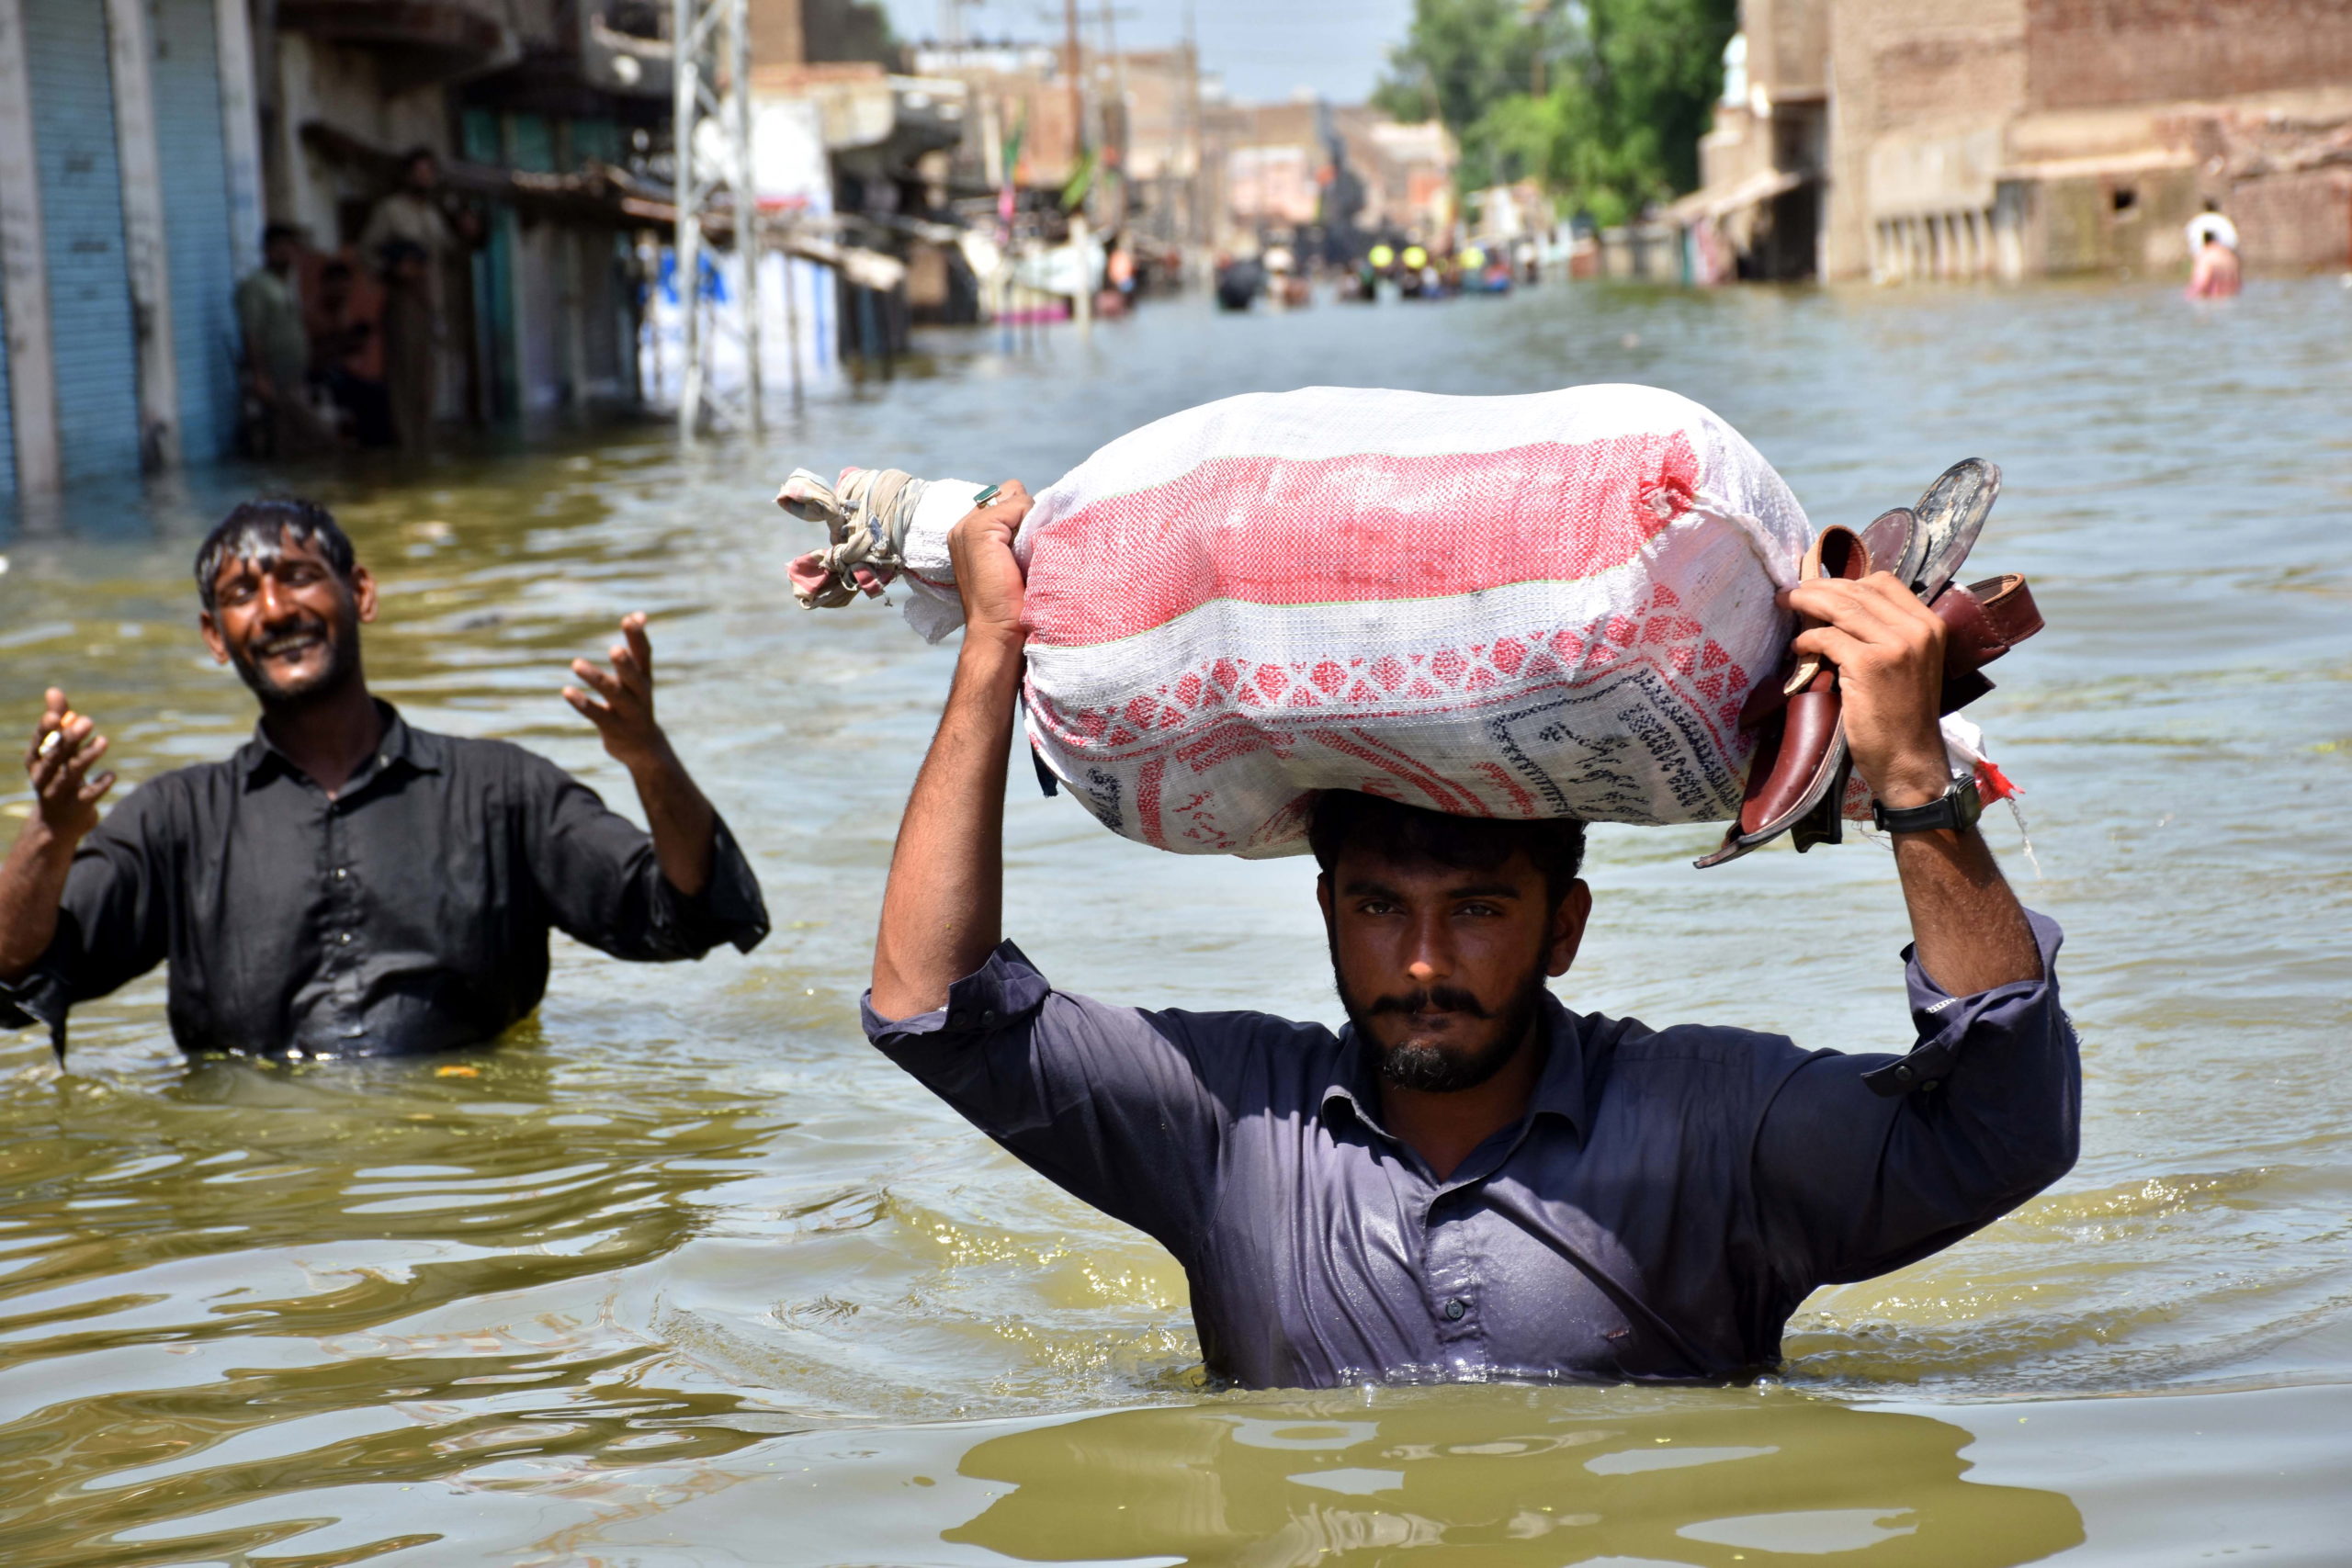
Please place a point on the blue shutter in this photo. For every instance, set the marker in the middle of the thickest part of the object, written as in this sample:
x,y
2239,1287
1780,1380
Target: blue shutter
x,y
8,413
81,191
195,223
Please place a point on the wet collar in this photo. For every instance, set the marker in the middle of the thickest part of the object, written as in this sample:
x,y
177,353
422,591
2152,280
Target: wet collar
x,y
1559,1092
259,759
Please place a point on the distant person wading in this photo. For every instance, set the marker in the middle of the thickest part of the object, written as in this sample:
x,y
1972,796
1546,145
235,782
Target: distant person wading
x,y
2215,272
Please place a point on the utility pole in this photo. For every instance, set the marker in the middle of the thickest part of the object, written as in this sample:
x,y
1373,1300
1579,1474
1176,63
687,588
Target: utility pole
x,y
711,41
1196,224
1069,70
1111,118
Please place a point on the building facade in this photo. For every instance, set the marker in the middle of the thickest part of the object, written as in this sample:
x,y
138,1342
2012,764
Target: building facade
x,y
144,143
1910,139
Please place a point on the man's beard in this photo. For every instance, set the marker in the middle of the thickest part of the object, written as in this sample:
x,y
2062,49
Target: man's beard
x,y
1418,1065
342,639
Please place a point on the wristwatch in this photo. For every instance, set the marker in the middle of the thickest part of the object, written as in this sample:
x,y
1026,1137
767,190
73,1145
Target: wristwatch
x,y
1956,810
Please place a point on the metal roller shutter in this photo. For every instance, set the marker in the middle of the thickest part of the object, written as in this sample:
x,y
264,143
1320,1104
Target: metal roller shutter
x,y
8,423
89,290
195,223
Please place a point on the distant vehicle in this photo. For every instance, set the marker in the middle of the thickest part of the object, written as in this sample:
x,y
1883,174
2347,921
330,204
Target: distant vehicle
x,y
1239,282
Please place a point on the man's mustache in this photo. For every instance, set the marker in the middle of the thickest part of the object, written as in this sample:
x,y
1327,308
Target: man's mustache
x,y
1429,998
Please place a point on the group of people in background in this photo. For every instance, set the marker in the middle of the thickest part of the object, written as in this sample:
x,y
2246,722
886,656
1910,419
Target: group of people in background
x,y
343,349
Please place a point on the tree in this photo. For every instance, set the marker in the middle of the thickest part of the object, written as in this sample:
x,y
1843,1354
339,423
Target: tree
x,y
1603,101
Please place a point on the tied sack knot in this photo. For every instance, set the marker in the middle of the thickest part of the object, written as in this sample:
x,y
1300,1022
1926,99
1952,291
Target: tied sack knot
x,y
867,514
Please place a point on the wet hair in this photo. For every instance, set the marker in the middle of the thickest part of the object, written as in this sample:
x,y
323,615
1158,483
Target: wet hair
x,y
260,530
1346,817
277,231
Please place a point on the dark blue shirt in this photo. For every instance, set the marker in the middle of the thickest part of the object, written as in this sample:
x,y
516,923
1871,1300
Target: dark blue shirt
x,y
1669,1198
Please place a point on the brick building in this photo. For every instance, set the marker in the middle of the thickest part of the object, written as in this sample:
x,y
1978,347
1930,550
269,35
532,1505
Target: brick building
x,y
1899,138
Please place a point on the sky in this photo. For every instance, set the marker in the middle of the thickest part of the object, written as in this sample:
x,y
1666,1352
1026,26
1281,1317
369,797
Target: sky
x,y
1265,50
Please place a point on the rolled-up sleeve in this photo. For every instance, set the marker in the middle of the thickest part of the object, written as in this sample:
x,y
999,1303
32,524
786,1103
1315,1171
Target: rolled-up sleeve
x,y
602,879
1106,1102
1866,1163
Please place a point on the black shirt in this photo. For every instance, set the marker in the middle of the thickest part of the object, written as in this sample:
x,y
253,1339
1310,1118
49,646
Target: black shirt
x,y
408,914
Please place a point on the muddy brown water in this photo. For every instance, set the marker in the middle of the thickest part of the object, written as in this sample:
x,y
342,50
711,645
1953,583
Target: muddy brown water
x,y
684,1274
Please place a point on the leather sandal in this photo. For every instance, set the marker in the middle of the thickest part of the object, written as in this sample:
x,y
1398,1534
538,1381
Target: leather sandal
x,y
1802,753
1951,512
1981,621
1797,782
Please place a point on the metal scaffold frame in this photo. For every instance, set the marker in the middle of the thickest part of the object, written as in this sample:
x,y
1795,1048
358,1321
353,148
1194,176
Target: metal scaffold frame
x,y
712,40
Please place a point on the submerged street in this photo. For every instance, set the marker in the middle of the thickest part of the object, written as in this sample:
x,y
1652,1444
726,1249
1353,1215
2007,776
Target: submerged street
x,y
684,1272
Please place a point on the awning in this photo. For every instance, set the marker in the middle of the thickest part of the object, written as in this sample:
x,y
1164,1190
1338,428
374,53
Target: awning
x,y
1719,203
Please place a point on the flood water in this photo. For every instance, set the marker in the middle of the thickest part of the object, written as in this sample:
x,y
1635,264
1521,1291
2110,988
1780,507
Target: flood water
x,y
683,1273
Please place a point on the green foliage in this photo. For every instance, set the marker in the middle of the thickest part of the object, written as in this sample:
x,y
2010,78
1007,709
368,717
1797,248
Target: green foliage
x,y
1627,87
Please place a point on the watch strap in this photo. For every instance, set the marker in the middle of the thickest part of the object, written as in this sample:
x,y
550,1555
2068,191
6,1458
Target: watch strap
x,y
1955,810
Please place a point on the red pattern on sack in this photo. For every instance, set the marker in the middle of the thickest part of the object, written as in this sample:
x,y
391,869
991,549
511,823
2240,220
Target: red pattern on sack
x,y
1363,528
1673,644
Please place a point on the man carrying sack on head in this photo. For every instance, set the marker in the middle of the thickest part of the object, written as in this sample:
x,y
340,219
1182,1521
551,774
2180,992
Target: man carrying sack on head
x,y
1470,1180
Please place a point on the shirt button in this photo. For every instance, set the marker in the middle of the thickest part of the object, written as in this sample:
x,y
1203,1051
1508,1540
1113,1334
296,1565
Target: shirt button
x,y
344,939
1454,1310
340,873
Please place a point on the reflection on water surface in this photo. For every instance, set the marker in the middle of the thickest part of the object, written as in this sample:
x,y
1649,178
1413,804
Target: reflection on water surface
x,y
682,1273
1523,1478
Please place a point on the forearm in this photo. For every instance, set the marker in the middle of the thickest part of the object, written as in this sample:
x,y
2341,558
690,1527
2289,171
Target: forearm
x,y
943,912
685,829
1970,932
32,880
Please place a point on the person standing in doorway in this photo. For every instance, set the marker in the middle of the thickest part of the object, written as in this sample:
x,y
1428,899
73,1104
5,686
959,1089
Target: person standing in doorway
x,y
348,350
277,349
411,365
413,216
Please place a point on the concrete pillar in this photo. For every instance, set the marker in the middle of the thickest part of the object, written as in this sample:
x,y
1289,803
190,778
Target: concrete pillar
x,y
24,271
239,130
575,258
146,255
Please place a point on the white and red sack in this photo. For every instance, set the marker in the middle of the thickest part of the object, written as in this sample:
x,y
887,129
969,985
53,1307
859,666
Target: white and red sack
x,y
1547,605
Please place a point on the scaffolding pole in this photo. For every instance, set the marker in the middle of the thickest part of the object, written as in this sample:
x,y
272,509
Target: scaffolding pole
x,y
715,189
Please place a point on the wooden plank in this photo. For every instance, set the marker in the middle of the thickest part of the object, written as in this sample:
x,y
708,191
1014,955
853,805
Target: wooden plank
x,y
24,271
239,130
146,252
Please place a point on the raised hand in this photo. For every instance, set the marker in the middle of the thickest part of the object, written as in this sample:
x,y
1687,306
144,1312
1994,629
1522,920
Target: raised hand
x,y
1889,650
65,745
986,574
625,719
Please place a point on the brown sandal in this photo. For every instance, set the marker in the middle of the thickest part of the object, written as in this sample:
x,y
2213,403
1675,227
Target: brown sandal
x,y
1797,782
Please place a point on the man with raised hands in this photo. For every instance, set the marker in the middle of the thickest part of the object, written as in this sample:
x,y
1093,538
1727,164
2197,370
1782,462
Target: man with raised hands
x,y
1471,1181
347,884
